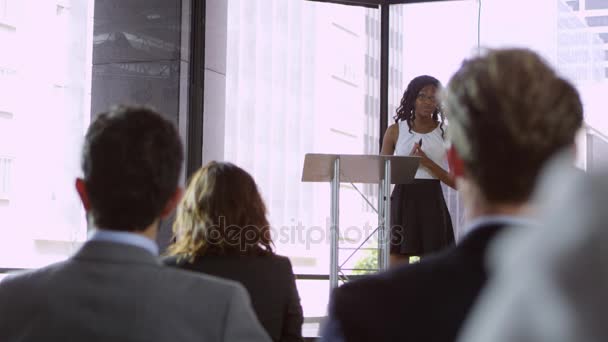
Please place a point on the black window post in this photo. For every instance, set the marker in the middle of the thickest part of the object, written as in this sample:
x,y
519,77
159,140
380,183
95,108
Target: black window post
x,y
384,65
196,80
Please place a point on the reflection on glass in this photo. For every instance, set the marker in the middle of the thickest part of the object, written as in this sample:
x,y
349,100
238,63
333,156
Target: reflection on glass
x,y
136,30
154,83
45,81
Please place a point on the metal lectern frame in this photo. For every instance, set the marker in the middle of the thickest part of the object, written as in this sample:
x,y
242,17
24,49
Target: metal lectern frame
x,y
370,169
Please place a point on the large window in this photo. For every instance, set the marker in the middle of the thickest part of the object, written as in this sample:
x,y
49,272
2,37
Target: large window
x,y
571,35
575,43
434,38
45,77
303,77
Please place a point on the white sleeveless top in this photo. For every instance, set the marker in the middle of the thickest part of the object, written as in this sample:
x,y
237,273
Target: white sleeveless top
x,y
432,145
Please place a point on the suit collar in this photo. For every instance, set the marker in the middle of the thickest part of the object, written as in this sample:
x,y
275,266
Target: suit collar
x,y
482,229
476,242
112,252
503,220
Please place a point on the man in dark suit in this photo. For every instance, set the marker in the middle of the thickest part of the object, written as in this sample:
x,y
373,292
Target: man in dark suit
x,y
114,288
508,114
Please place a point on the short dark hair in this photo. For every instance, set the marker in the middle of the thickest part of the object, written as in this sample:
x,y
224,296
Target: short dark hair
x,y
131,159
508,113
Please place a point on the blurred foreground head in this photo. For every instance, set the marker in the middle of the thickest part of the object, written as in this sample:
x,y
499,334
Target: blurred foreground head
x,y
509,113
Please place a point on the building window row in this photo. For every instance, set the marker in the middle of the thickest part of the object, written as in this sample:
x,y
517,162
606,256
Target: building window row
x,y
573,4
598,21
372,67
395,40
369,143
372,27
372,105
395,78
372,30
596,4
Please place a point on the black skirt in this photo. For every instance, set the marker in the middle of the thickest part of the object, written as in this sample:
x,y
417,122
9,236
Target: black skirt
x,y
420,220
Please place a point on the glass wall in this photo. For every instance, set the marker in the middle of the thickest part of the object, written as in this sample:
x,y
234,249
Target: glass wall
x,y
45,80
303,77
571,35
435,38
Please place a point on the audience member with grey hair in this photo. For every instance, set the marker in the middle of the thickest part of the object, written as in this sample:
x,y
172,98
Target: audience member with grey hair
x,y
508,113
550,283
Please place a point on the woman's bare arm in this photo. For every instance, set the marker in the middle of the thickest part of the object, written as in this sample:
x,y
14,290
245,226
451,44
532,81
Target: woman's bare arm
x,y
390,140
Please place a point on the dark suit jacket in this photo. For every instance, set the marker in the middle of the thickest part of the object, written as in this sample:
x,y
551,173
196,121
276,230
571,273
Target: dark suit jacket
x,y
423,302
116,292
271,285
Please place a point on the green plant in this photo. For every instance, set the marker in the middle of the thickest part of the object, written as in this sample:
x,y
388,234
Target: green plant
x,y
367,263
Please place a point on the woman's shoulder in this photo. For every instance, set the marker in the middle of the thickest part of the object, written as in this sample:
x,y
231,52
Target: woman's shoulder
x,y
283,259
392,131
276,258
277,262
393,128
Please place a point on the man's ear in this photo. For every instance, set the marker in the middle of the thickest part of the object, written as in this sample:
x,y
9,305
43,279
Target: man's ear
x,y
81,188
455,162
172,202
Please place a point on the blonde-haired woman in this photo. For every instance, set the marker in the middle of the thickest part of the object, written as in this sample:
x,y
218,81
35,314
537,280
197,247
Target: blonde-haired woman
x,y
221,230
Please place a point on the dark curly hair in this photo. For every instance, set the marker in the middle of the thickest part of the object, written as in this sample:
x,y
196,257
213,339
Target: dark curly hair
x,y
408,101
